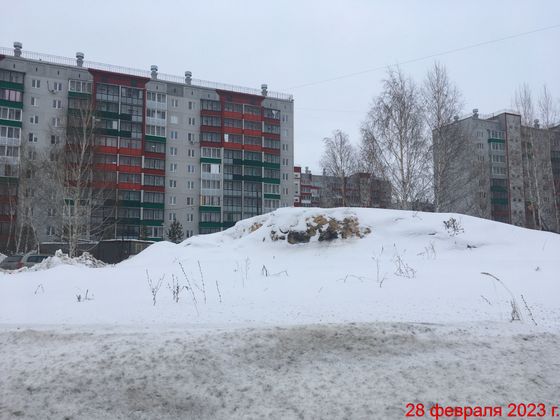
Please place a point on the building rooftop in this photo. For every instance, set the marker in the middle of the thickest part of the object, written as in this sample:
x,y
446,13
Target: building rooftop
x,y
70,62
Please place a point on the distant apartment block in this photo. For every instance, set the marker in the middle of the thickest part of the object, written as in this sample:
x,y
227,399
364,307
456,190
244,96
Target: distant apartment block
x,y
362,190
507,172
170,148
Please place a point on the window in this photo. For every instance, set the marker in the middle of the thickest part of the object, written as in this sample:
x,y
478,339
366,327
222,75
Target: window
x,y
190,216
172,167
253,110
211,137
190,169
210,121
57,86
212,184
190,105
154,180
51,212
127,195
156,97
190,152
232,107
154,147
153,197
172,183
190,137
272,113
32,138
252,125
173,119
11,95
155,130
190,201
152,214
129,178
173,135
190,185
50,230
79,86
35,83
151,163
210,152
55,139
175,103
210,168
129,160
10,114
56,122
172,200
172,217
57,103
229,122
210,105
255,156
210,200
173,151
499,158
34,119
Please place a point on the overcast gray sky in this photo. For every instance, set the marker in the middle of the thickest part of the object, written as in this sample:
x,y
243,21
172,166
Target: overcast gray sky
x,y
287,44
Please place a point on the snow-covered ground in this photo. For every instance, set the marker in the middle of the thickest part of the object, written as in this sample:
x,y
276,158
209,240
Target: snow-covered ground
x,y
347,328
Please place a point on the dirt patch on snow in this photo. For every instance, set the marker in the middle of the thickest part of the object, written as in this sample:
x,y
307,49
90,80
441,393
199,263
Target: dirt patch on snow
x,y
324,229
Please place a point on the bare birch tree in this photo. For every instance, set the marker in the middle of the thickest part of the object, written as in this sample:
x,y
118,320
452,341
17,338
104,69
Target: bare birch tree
x,y
339,160
71,184
547,109
394,144
523,103
442,102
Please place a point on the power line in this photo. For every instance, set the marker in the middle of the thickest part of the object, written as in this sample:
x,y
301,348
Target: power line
x,y
426,57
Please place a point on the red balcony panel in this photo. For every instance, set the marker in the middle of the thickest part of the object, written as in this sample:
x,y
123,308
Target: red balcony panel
x,y
256,133
153,188
154,171
129,186
233,146
107,167
130,169
234,115
210,129
130,152
154,155
103,185
210,113
251,117
8,199
272,136
272,121
252,147
273,152
109,150
233,130
210,144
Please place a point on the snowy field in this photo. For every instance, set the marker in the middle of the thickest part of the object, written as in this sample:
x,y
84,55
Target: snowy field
x,y
398,312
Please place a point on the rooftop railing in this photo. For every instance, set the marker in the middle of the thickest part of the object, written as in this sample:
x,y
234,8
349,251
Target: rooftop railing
x,y
65,61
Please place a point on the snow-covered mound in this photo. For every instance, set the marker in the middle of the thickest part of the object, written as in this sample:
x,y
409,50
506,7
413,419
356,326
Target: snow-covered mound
x,y
301,266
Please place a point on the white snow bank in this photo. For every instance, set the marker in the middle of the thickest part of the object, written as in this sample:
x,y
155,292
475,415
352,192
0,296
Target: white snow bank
x,y
357,371
409,267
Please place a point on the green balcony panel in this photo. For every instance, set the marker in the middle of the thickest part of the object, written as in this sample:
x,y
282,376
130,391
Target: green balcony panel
x,y
128,203
271,165
272,196
11,123
107,114
492,140
152,205
212,209
252,163
271,180
79,95
252,178
210,160
155,138
11,85
11,104
503,201
151,222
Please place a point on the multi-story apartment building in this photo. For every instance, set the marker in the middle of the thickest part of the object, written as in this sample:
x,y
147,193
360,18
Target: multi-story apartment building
x,y
506,171
166,147
362,190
